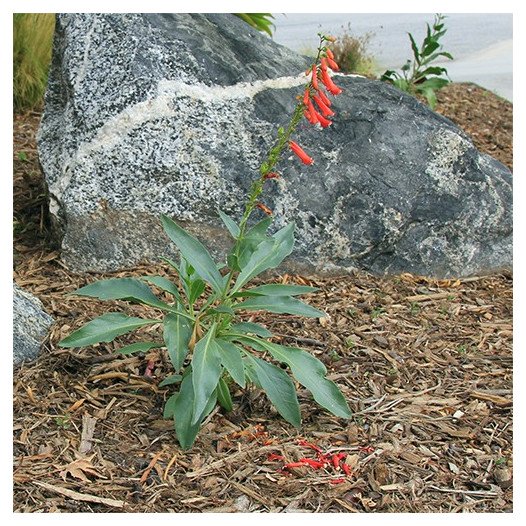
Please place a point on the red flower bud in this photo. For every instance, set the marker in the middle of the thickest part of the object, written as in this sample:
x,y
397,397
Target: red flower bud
x,y
330,54
296,148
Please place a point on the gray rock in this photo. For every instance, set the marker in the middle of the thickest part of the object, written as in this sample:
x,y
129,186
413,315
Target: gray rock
x,y
149,114
30,325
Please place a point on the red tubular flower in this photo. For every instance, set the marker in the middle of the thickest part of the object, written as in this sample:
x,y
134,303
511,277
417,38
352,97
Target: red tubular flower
x,y
324,98
314,77
311,118
326,111
323,64
304,158
322,120
306,97
332,64
346,469
330,54
329,84
314,114
310,445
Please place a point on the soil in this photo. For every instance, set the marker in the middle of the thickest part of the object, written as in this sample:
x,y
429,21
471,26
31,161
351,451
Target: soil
x,y
425,364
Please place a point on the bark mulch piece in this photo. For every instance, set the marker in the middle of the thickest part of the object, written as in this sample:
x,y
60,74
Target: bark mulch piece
x,y
425,364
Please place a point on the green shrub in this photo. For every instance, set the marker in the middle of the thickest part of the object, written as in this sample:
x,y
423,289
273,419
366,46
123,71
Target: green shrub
x,y
351,54
418,76
32,44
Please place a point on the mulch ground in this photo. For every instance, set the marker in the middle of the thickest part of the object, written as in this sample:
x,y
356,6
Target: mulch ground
x,y
426,366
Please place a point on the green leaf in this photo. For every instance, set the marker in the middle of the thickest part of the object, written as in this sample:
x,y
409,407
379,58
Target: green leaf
x,y
183,409
164,284
139,347
169,406
177,334
268,254
104,329
130,289
232,361
231,225
251,328
414,47
251,240
223,395
310,373
206,370
432,46
279,388
170,380
431,97
281,305
194,251
197,288
434,84
432,70
280,290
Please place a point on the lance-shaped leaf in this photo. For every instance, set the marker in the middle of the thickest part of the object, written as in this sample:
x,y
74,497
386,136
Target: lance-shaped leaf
x,y
268,254
183,410
139,347
169,406
278,290
251,240
164,284
279,388
310,373
223,395
232,361
281,305
206,370
194,251
170,380
247,327
130,289
104,329
177,333
231,225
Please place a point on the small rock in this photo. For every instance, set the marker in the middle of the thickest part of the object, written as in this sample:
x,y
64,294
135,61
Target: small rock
x,y
30,325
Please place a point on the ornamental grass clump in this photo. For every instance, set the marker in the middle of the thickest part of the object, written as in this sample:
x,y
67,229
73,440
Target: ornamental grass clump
x,y
209,348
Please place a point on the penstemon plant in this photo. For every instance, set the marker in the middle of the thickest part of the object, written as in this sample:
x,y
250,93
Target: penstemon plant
x,y
223,349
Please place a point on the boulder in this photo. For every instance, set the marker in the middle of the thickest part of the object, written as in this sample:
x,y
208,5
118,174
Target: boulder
x,y
148,114
30,325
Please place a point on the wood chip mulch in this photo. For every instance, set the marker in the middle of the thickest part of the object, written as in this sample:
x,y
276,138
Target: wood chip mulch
x,y
425,364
